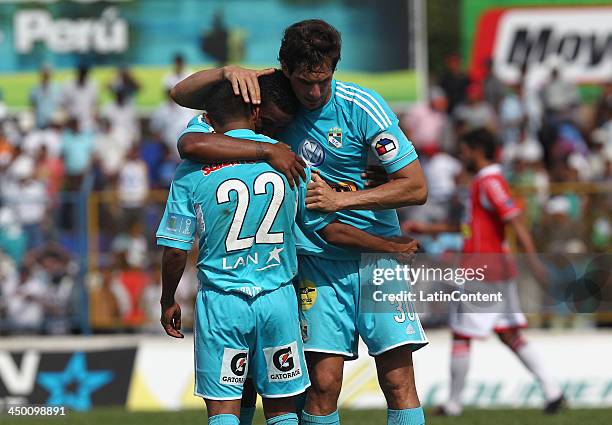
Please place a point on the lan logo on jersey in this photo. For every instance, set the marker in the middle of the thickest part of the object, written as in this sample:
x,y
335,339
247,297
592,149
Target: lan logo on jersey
x,y
334,137
385,146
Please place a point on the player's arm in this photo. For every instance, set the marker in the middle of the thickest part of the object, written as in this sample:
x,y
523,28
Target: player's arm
x,y
173,266
347,236
214,147
191,92
176,233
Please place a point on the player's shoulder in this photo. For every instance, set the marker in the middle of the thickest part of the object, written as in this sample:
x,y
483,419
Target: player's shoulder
x,y
361,100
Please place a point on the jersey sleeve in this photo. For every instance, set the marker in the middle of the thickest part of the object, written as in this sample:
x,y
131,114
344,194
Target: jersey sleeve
x,y
309,220
177,228
495,196
380,128
197,125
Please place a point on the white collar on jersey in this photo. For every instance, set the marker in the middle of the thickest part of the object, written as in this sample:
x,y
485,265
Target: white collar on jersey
x,y
489,169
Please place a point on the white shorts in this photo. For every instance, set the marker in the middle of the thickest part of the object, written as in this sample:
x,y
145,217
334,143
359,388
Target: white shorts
x,y
478,321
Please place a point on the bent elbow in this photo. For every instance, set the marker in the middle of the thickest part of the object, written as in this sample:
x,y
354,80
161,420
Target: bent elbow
x,y
421,194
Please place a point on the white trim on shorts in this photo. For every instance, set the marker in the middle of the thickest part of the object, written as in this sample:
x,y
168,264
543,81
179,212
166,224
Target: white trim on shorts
x,y
422,343
286,395
217,398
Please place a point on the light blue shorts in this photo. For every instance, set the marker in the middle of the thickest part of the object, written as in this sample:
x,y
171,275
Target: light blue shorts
x,y
236,336
336,308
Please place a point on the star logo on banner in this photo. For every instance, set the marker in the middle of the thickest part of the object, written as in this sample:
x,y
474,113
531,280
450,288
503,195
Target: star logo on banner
x,y
74,386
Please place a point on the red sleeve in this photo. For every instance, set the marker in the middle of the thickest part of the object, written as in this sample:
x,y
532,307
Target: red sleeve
x,y
496,192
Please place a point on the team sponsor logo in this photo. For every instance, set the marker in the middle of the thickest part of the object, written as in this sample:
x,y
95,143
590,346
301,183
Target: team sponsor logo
x,y
334,137
179,224
312,152
344,186
308,294
385,146
234,366
211,168
577,39
283,362
410,330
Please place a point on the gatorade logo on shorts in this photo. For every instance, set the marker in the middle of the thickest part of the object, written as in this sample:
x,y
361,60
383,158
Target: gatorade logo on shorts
x,y
308,294
283,362
234,366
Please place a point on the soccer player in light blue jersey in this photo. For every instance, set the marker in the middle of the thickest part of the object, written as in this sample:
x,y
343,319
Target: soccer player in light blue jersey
x,y
338,126
246,309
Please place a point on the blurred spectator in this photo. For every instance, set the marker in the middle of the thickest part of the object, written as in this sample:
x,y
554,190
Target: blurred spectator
x,y
80,99
167,167
454,82
13,240
560,98
427,124
150,300
77,149
131,248
111,150
476,112
526,148
123,119
494,89
133,184
49,137
603,108
27,304
512,116
30,202
169,120
562,233
50,170
45,98
179,72
124,83
108,303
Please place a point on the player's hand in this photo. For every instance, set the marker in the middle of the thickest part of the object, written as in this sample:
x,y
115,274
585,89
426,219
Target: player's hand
x,y
405,248
375,176
244,82
171,319
283,159
320,196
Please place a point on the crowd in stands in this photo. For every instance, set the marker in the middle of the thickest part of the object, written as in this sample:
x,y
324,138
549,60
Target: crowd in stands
x,y
68,146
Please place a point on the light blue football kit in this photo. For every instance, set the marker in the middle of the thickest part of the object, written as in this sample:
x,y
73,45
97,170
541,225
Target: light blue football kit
x,y
337,140
246,309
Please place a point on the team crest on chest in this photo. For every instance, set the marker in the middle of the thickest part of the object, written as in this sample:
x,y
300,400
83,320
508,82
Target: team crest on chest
x,y
334,137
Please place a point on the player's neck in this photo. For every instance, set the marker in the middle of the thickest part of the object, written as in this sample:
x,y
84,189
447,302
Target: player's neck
x,y
238,124
480,164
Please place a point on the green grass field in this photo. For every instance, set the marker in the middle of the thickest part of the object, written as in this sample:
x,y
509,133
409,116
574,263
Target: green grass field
x,y
396,86
348,417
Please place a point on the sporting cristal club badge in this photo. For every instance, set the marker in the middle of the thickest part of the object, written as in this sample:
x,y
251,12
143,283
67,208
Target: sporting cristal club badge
x,y
334,137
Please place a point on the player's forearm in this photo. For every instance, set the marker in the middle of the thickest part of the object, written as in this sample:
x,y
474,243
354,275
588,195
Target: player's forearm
x,y
173,266
407,186
213,147
191,91
394,194
347,236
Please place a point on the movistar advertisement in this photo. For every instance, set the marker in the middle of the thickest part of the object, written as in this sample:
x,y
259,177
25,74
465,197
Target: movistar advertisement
x,y
539,35
145,35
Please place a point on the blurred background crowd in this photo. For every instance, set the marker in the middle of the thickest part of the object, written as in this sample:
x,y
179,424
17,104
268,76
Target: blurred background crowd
x,y
69,153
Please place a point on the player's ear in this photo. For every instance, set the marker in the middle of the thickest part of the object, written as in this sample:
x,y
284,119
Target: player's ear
x,y
255,113
285,70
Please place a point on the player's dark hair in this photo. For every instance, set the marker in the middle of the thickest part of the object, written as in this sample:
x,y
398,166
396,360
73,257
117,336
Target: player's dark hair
x,y
481,139
276,88
222,104
309,44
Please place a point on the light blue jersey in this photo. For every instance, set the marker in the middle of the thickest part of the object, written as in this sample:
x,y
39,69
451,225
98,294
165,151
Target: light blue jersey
x,y
337,140
245,214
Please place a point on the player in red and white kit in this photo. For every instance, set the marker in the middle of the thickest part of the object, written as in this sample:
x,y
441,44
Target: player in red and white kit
x,y
490,209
